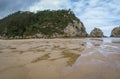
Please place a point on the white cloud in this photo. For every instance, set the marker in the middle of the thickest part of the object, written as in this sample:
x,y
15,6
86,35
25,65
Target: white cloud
x,y
50,4
103,14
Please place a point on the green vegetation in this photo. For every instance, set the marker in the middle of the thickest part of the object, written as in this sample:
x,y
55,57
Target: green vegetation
x,y
45,22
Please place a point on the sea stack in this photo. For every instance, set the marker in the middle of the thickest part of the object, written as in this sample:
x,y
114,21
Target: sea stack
x,y
115,32
96,32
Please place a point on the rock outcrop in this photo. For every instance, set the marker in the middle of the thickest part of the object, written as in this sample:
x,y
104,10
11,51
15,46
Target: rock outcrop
x,y
116,32
75,29
96,32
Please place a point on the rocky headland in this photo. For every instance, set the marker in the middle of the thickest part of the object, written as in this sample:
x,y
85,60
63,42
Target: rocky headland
x,y
43,24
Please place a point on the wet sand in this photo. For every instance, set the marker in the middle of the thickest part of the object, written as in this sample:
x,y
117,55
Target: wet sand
x,y
59,59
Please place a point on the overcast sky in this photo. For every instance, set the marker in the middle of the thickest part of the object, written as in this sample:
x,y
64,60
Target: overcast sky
x,y
104,14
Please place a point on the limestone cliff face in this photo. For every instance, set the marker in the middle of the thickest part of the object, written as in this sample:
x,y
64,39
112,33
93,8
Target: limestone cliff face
x,y
75,29
96,32
116,32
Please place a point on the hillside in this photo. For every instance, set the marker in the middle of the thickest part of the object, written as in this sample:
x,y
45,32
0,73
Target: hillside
x,y
43,24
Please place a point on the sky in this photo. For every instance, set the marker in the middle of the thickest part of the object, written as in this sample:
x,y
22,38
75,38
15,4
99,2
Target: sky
x,y
103,14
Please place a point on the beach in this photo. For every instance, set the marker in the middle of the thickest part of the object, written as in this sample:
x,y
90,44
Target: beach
x,y
73,58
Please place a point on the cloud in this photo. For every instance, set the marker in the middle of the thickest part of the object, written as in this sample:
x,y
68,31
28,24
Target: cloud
x,y
48,4
10,6
103,14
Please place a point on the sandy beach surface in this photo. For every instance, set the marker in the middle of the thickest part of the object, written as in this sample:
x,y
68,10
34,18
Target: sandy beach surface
x,y
86,58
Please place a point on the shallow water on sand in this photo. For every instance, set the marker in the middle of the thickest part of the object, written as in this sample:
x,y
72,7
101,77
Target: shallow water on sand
x,y
89,58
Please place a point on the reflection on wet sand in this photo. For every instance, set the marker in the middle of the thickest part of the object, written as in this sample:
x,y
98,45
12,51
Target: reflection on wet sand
x,y
72,57
44,57
88,58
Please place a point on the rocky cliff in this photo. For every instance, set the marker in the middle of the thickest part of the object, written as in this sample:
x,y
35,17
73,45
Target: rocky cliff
x,y
96,32
116,32
43,24
75,29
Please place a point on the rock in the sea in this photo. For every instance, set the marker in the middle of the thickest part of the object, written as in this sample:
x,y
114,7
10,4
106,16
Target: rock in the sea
x,y
116,32
75,29
96,32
